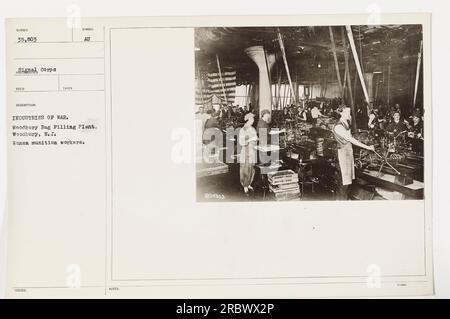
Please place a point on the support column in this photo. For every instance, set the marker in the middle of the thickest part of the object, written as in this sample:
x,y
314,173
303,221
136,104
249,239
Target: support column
x,y
265,62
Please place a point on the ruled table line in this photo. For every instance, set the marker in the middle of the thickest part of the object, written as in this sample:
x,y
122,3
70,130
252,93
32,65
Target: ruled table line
x,y
58,58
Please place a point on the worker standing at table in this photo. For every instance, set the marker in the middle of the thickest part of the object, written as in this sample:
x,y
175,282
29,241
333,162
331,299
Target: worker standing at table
x,y
344,139
263,128
315,114
415,132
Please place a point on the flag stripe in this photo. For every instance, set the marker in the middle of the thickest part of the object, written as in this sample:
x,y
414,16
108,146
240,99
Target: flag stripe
x,y
213,84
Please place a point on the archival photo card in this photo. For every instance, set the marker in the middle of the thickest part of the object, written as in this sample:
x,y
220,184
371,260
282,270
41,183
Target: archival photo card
x,y
219,157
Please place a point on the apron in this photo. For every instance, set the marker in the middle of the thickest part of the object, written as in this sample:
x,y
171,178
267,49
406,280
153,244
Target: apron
x,y
345,157
346,164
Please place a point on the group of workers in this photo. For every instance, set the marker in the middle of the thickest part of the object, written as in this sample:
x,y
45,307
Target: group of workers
x,y
391,123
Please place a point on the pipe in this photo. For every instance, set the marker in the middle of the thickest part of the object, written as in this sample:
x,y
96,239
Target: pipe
x,y
417,73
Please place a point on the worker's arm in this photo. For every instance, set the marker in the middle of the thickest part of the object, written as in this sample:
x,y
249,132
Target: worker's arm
x,y
371,119
354,141
304,116
345,134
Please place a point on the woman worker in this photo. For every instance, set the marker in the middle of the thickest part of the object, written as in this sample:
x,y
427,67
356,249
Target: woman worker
x,y
247,156
415,132
344,140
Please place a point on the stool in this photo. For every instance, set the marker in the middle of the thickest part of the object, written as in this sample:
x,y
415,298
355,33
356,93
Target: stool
x,y
308,181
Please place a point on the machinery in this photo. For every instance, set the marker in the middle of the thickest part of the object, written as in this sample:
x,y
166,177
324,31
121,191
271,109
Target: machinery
x,y
393,155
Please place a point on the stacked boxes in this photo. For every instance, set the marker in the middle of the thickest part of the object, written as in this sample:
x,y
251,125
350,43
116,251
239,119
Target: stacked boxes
x,y
284,185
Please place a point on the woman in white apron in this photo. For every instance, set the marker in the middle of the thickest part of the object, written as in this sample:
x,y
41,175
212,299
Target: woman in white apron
x,y
345,140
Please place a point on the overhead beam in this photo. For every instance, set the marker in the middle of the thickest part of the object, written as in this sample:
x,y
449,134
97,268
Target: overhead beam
x,y
358,65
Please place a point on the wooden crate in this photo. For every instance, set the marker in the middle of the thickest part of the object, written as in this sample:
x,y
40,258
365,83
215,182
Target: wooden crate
x,y
282,177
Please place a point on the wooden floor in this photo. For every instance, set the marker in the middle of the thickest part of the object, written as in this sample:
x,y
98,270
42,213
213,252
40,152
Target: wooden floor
x,y
227,188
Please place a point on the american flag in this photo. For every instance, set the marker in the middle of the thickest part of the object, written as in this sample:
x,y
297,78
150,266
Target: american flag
x,y
212,85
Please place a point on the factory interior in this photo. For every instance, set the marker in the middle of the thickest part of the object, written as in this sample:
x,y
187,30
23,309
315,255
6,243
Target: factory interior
x,y
309,113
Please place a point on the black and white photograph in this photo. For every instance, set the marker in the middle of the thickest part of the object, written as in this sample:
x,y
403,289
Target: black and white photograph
x,y
309,113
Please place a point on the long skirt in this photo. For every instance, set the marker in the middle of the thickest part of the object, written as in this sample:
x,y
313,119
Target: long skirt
x,y
246,173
